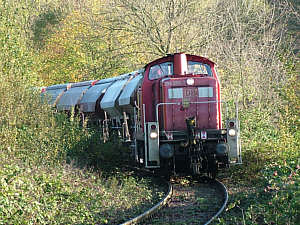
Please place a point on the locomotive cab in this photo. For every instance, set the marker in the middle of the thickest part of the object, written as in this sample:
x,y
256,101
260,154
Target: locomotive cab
x,y
181,117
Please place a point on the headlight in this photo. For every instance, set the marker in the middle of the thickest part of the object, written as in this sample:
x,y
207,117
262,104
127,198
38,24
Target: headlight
x,y
223,131
153,134
190,81
232,132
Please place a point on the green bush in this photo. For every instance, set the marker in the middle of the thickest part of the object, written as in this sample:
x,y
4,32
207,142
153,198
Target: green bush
x,y
37,186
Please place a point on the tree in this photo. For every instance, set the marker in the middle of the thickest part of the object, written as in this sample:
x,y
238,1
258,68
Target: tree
x,y
162,27
83,46
248,38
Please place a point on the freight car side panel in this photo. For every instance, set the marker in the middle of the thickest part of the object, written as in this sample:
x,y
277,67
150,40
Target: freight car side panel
x,y
127,97
72,96
197,100
88,101
108,102
54,92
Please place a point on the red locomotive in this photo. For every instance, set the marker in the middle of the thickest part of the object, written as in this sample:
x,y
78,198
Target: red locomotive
x,y
169,111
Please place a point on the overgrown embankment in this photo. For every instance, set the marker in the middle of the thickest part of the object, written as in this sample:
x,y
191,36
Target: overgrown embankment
x,y
44,178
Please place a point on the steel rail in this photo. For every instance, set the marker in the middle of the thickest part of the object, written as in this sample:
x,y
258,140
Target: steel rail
x,y
224,189
150,211
167,197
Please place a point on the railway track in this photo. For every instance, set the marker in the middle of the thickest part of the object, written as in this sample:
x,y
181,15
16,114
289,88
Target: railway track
x,y
188,201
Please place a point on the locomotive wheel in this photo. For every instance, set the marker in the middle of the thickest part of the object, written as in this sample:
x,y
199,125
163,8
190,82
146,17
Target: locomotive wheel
x,y
212,169
167,167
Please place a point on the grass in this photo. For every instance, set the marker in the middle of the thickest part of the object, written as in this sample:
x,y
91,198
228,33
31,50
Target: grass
x,y
63,193
265,189
53,171
273,199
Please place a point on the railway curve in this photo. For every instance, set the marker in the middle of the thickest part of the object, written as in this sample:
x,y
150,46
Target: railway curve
x,y
188,202
152,210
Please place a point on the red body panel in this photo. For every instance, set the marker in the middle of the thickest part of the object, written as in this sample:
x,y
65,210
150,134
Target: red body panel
x,y
150,91
155,92
174,116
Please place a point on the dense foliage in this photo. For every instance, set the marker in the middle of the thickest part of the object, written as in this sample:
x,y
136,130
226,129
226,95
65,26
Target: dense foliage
x,y
47,42
44,176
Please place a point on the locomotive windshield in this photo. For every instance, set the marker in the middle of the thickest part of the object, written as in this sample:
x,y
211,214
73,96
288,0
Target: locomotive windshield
x,y
161,70
199,68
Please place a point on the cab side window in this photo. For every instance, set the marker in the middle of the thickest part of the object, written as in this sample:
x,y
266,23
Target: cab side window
x,y
199,68
161,70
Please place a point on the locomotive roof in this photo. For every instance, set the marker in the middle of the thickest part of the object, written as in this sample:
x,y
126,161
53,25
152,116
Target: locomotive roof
x,y
171,56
